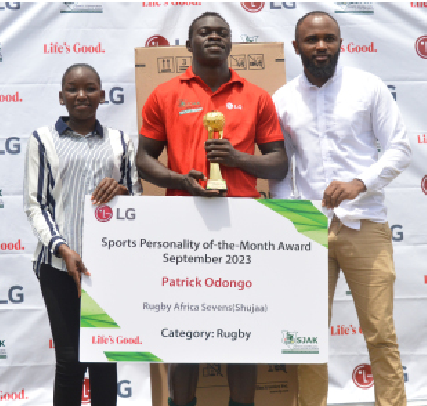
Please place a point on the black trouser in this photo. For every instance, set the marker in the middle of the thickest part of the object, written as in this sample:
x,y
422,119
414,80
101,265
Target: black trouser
x,y
63,308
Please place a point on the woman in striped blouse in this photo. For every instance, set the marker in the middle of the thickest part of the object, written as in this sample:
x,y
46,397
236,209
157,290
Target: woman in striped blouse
x,y
76,156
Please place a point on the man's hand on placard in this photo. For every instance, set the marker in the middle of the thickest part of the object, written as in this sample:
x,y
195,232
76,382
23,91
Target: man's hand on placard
x,y
74,264
338,191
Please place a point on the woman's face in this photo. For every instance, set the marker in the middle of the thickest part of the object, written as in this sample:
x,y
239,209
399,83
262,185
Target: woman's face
x,y
81,93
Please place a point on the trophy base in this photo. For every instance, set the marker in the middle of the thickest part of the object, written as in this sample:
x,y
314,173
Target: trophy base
x,y
218,184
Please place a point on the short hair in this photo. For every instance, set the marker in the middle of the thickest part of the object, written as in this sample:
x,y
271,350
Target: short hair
x,y
206,14
81,65
314,13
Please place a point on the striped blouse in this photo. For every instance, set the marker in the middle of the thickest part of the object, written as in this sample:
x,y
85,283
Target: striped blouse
x,y
61,168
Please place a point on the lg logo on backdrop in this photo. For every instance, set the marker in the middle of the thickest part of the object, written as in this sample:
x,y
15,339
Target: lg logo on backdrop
x,y
10,6
115,96
12,146
124,390
397,235
256,7
13,295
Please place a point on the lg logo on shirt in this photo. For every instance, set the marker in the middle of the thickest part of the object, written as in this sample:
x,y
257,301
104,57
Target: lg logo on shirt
x,y
105,213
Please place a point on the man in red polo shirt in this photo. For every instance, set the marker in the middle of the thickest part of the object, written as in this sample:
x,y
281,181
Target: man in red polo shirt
x,y
173,117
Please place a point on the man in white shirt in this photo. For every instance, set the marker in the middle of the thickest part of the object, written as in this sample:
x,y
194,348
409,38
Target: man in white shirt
x,y
332,117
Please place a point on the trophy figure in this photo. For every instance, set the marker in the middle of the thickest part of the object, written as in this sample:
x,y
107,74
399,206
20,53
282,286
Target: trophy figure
x,y
214,123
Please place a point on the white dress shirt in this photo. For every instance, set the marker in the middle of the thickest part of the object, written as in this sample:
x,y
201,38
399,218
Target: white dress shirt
x,y
332,132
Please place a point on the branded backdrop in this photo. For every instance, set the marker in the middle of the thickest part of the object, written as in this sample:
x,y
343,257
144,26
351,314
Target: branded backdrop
x,y
38,41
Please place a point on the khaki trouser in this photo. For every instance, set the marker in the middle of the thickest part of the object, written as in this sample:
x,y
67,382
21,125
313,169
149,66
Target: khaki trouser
x,y
365,257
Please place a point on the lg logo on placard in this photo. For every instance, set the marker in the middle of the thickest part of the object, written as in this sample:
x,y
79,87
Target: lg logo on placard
x,y
114,96
13,296
105,213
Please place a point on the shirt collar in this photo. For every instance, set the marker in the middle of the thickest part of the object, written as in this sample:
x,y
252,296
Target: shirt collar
x,y
337,73
61,127
189,75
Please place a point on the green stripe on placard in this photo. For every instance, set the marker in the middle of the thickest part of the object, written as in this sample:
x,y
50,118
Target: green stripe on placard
x,y
131,356
307,219
92,315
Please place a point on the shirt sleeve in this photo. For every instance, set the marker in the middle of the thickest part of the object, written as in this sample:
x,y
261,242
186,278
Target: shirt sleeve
x,y
153,122
37,198
283,189
129,173
390,131
268,127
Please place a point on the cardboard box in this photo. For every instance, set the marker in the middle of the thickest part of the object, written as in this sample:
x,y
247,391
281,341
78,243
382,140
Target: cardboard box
x,y
277,385
261,63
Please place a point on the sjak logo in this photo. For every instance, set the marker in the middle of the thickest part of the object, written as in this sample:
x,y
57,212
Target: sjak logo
x,y
3,352
298,345
1,202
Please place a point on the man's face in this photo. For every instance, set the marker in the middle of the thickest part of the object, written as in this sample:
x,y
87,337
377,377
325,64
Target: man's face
x,y
319,45
211,41
81,93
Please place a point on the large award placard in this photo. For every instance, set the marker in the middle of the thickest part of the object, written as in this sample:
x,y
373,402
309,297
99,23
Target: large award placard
x,y
182,279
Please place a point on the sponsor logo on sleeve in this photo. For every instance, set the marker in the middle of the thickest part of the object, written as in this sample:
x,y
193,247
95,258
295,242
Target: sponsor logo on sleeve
x,y
362,376
422,139
421,46
419,4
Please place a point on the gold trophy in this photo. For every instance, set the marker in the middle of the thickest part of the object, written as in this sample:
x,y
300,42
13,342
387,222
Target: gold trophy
x,y
214,122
